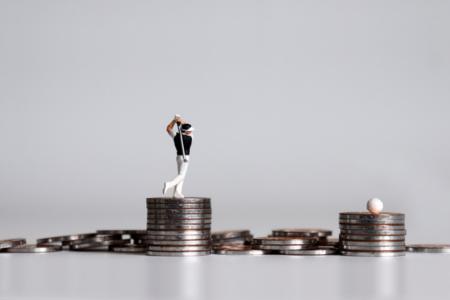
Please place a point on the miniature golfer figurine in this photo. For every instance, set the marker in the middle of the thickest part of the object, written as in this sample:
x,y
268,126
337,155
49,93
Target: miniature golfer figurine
x,y
183,142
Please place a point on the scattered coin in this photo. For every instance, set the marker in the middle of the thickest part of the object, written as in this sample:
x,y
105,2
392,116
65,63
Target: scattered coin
x,y
429,248
301,232
309,252
12,243
129,249
34,249
178,253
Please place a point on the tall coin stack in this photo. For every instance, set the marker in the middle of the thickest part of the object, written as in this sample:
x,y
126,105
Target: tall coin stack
x,y
178,226
366,234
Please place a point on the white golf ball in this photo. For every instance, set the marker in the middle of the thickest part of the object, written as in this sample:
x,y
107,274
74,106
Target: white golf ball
x,y
375,206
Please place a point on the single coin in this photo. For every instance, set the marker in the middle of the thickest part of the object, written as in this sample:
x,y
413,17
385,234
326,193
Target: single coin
x,y
234,241
100,244
285,247
301,232
373,253
373,248
350,237
179,212
277,241
33,249
179,253
64,238
373,243
129,249
312,252
370,227
175,238
179,243
121,231
178,200
429,248
241,252
178,222
373,232
180,248
11,243
230,234
97,238
181,216
371,221
178,206
179,232
179,227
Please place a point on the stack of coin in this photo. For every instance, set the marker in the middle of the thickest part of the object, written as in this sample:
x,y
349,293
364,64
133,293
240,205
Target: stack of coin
x,y
178,227
366,234
231,238
316,241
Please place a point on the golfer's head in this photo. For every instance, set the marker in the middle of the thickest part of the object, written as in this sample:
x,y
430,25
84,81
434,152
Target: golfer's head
x,y
187,128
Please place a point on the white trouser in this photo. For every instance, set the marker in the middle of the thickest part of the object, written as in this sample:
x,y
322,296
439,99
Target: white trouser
x,y
177,182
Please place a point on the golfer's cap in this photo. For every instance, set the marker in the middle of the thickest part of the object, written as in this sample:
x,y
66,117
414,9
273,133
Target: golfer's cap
x,y
187,128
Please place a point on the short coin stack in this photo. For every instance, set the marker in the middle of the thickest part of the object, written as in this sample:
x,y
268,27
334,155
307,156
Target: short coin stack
x,y
178,226
366,234
297,241
231,242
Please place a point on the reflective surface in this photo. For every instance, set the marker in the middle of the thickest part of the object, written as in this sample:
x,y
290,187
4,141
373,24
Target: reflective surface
x,y
117,276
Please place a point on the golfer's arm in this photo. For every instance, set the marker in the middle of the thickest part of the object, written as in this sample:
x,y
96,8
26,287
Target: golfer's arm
x,y
169,127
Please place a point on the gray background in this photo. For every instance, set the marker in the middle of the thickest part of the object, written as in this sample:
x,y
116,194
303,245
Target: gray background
x,y
302,108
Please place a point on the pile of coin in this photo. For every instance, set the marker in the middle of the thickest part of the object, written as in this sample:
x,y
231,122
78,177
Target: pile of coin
x,y
366,234
298,241
178,227
102,240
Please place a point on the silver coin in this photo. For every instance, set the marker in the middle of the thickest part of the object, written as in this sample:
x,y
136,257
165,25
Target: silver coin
x,y
373,243
277,241
179,200
241,252
301,232
368,215
373,232
178,222
64,238
179,232
429,248
178,206
33,249
373,248
97,238
121,231
11,243
350,237
234,241
309,252
180,248
373,253
179,227
181,253
187,216
175,237
371,227
229,234
100,244
371,221
285,247
129,249
179,243
179,212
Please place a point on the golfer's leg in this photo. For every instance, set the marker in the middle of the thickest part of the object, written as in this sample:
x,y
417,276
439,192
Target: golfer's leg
x,y
179,186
